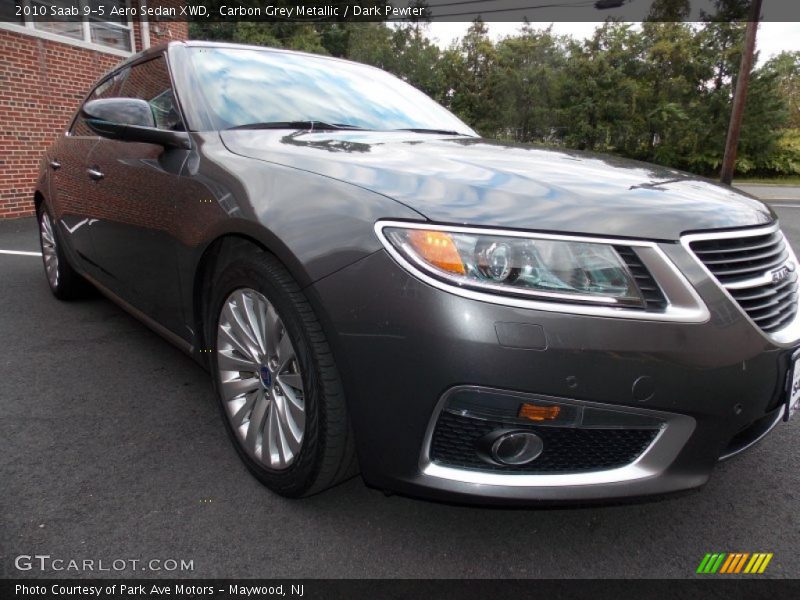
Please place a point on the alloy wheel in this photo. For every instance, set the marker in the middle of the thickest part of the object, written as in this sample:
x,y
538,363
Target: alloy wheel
x,y
49,252
260,379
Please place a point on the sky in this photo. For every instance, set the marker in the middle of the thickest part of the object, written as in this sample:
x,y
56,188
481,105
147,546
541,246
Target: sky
x,y
772,39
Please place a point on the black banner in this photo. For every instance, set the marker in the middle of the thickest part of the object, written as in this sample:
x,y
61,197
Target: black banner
x,y
313,589
18,11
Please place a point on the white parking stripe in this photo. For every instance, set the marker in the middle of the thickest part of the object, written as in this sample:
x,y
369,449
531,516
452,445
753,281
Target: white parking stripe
x,y
20,252
782,205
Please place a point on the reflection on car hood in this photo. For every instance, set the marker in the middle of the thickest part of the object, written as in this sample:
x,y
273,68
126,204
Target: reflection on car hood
x,y
494,184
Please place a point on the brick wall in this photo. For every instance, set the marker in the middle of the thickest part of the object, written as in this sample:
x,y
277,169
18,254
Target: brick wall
x,y
42,83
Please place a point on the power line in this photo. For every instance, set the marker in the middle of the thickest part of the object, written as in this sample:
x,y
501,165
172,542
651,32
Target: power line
x,y
514,9
437,5
460,2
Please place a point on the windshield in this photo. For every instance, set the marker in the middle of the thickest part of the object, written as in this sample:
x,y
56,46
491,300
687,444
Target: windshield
x,y
250,87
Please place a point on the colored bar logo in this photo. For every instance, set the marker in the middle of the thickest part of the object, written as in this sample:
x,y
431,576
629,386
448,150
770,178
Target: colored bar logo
x,y
734,563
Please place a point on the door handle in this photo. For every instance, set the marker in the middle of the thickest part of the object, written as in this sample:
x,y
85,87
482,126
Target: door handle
x,y
55,165
95,174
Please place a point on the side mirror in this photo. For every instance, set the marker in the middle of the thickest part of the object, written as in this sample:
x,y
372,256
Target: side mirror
x,y
130,119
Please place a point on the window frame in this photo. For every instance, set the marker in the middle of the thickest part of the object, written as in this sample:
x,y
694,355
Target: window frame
x,y
120,69
28,27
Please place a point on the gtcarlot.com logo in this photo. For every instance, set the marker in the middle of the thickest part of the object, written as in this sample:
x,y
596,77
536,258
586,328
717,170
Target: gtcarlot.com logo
x,y
734,563
45,562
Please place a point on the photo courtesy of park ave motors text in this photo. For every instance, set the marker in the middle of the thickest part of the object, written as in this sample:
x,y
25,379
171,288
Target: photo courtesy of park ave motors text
x,y
266,275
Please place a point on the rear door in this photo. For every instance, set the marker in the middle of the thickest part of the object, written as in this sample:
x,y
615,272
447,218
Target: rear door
x,y
138,184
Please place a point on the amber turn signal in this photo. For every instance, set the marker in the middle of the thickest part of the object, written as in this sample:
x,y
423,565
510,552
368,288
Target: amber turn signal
x,y
438,249
538,413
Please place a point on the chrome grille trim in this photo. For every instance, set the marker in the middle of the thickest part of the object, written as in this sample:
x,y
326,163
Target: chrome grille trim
x,y
748,265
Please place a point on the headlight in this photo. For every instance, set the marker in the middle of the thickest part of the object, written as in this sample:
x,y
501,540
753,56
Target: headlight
x,y
547,269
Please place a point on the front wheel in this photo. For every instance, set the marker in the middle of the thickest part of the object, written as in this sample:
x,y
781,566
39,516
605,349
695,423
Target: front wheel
x,y
277,383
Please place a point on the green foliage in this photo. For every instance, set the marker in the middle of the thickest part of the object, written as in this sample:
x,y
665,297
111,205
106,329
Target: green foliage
x,y
659,92
371,43
528,84
786,68
471,96
669,10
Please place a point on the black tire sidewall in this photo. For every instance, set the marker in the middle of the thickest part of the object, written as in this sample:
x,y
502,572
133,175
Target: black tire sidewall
x,y
267,277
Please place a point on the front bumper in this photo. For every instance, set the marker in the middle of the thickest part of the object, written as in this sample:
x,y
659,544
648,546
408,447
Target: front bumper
x,y
403,345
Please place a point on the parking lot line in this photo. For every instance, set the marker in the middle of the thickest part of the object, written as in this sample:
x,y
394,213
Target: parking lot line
x,y
20,253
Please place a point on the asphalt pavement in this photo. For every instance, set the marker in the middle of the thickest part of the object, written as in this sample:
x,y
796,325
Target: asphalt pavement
x,y
771,191
111,448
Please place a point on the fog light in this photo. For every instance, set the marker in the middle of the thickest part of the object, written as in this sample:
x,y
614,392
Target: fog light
x,y
517,448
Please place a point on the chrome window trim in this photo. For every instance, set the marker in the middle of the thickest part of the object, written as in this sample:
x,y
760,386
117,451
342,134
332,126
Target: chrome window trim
x,y
684,304
658,456
787,336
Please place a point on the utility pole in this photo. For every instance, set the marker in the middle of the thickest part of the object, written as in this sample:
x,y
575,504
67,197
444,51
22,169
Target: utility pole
x,y
740,95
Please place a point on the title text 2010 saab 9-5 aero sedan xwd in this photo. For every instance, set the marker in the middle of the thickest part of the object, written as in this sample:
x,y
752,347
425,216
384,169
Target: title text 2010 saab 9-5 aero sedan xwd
x,y
375,287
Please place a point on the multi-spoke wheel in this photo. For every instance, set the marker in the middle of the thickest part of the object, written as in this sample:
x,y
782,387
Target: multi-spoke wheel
x,y
278,387
260,379
65,282
49,254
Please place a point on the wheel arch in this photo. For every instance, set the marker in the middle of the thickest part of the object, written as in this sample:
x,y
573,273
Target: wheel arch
x,y
221,249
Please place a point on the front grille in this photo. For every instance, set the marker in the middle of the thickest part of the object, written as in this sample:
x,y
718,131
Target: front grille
x,y
743,266
653,296
566,449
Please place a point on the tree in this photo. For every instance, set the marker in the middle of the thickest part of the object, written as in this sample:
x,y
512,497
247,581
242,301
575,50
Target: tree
x,y
417,60
527,83
786,70
471,98
371,43
765,117
671,90
672,11
600,90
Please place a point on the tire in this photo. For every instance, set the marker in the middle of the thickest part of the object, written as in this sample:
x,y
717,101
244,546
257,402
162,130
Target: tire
x,y
64,281
271,392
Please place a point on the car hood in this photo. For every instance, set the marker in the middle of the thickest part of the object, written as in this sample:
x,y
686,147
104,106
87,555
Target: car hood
x,y
487,183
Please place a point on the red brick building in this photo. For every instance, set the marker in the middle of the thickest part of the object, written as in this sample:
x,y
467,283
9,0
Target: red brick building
x,y
46,68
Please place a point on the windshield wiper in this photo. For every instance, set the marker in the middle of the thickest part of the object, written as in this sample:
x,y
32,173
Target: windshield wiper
x,y
436,131
310,125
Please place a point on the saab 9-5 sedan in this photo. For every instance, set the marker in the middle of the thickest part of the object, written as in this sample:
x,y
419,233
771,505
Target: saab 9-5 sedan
x,y
376,288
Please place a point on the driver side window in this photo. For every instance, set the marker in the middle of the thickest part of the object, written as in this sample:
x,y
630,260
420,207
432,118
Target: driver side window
x,y
149,81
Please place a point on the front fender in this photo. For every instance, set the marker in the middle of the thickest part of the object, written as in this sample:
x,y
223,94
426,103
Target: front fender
x,y
313,224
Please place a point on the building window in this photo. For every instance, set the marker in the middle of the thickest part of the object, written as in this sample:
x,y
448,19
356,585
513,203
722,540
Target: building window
x,y
95,27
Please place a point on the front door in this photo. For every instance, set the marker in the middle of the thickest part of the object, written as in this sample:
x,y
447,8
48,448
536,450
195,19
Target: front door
x,y
133,237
